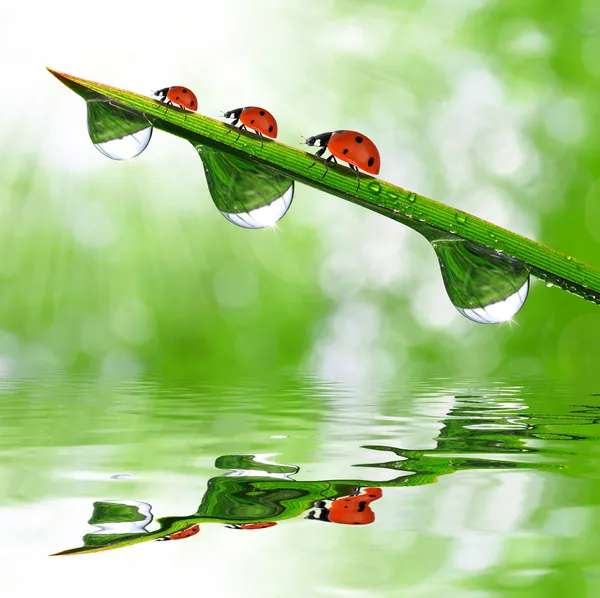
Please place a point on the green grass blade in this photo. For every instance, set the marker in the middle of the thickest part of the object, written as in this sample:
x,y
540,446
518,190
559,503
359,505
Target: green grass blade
x,y
431,218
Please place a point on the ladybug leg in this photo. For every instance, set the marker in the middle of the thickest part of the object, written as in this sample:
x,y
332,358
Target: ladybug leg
x,y
329,159
318,155
357,176
262,143
242,128
233,124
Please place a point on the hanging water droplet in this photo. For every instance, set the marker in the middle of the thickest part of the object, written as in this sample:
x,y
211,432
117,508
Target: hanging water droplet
x,y
118,133
485,286
245,194
549,285
569,258
375,187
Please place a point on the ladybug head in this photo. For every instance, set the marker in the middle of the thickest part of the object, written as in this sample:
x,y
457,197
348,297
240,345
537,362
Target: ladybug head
x,y
319,140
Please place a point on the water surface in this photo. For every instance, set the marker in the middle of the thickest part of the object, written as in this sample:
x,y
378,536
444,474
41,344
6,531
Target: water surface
x,y
482,489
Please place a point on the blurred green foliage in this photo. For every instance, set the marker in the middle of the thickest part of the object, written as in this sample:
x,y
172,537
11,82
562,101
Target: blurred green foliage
x,y
118,272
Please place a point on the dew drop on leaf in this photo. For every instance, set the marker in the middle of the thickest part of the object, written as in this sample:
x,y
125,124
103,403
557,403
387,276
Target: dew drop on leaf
x,y
247,195
485,286
117,133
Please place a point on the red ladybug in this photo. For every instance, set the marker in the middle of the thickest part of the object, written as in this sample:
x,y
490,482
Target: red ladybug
x,y
178,96
184,533
262,525
350,146
261,121
348,510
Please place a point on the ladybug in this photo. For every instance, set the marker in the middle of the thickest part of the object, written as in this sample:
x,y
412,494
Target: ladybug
x,y
350,146
261,121
180,535
178,96
262,525
348,510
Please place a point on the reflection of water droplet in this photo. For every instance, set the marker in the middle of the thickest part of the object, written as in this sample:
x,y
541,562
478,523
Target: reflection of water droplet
x,y
121,517
279,436
121,476
375,187
461,218
569,258
118,133
266,216
254,465
549,284
484,285
247,195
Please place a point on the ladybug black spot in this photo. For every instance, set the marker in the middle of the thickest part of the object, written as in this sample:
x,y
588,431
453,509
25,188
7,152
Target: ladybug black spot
x,y
185,91
345,151
251,122
371,496
262,112
359,139
177,98
192,103
357,523
371,161
271,129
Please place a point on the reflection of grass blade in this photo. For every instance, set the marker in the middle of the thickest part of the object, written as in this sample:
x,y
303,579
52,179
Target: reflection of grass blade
x,y
420,213
252,500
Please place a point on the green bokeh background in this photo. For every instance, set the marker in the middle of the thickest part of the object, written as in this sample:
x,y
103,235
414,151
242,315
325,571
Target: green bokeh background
x,y
489,106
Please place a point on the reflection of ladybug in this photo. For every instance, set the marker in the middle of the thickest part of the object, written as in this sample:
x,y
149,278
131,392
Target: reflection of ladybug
x,y
348,510
262,525
184,533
